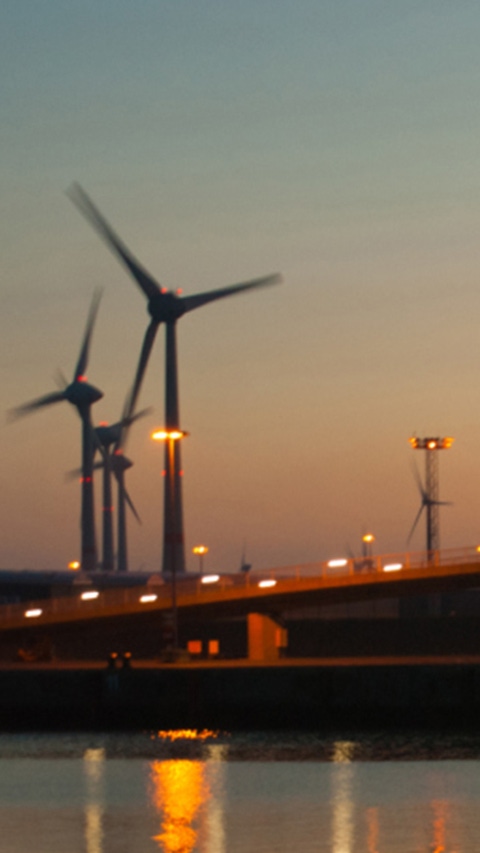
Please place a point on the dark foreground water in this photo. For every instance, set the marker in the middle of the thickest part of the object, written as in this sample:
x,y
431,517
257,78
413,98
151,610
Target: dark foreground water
x,y
183,792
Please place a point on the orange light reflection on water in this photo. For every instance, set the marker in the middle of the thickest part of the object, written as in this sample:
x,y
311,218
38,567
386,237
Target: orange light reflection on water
x,y
179,790
186,734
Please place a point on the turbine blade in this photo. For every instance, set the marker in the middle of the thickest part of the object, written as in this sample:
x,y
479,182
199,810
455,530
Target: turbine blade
x,y
86,206
131,505
199,299
76,473
417,519
142,364
125,425
420,486
61,379
83,357
33,405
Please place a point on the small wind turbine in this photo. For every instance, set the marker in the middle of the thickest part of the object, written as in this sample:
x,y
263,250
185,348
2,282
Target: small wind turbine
x,y
112,439
429,492
82,395
164,307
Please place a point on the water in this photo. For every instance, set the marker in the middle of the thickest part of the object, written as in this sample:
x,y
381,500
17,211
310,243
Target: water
x,y
213,792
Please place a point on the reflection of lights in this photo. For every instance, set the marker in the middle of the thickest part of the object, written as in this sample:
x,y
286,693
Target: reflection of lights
x,y
90,595
393,567
343,806
372,830
266,584
216,767
179,790
186,734
94,766
440,814
336,564
343,751
210,579
32,614
145,599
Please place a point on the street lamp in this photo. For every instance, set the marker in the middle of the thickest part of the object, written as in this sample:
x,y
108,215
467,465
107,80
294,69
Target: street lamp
x,y
368,539
173,524
200,550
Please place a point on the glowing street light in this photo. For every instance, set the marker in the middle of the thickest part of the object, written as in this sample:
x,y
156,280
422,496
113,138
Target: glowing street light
x,y
367,544
201,550
74,565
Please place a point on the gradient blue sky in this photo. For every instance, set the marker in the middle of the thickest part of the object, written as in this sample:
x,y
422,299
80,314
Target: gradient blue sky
x,y
336,142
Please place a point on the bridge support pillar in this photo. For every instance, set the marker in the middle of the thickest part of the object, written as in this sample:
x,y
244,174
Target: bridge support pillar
x,y
267,639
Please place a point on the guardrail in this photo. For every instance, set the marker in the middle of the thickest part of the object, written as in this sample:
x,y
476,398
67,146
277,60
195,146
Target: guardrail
x,y
158,593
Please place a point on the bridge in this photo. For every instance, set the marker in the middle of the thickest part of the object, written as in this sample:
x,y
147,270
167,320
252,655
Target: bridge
x,y
222,596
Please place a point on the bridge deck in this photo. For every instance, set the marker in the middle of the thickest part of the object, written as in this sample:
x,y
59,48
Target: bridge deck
x,y
226,595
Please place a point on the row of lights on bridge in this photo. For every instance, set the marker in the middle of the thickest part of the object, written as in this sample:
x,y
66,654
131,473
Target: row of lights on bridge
x,y
147,598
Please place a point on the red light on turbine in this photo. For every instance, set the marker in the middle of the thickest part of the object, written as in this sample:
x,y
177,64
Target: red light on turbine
x,y
180,473
163,291
179,291
81,378
164,473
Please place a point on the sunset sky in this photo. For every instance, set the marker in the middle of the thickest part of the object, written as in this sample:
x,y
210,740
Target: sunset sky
x,y
334,142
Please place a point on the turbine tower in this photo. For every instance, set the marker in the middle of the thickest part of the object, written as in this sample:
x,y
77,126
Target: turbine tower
x,y
429,493
82,395
112,437
164,307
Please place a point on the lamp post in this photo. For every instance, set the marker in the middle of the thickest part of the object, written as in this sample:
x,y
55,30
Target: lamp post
x,y
171,535
201,550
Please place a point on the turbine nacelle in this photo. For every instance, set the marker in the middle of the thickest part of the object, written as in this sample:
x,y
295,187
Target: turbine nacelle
x,y
81,393
165,307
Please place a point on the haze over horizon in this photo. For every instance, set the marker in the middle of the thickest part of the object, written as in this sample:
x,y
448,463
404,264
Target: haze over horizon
x,y
334,143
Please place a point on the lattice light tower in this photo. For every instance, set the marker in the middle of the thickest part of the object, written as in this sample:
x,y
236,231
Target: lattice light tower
x,y
429,493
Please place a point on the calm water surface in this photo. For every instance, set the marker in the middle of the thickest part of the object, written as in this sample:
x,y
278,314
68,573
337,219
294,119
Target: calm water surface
x,y
199,792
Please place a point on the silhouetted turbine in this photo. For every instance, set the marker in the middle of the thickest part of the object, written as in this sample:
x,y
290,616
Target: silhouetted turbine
x,y
81,395
163,307
112,438
428,504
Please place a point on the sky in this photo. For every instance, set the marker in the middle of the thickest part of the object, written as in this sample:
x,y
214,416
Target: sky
x,y
333,142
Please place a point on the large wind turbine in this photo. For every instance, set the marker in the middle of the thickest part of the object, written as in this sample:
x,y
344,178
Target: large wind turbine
x,y
164,307
82,395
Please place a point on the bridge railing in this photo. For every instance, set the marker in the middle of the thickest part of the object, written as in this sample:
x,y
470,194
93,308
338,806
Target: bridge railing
x,y
159,592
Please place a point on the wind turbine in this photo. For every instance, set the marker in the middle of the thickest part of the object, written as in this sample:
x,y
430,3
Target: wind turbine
x,y
429,503
164,307
112,437
82,395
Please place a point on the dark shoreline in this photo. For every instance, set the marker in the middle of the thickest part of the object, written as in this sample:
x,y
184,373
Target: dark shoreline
x,y
237,696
